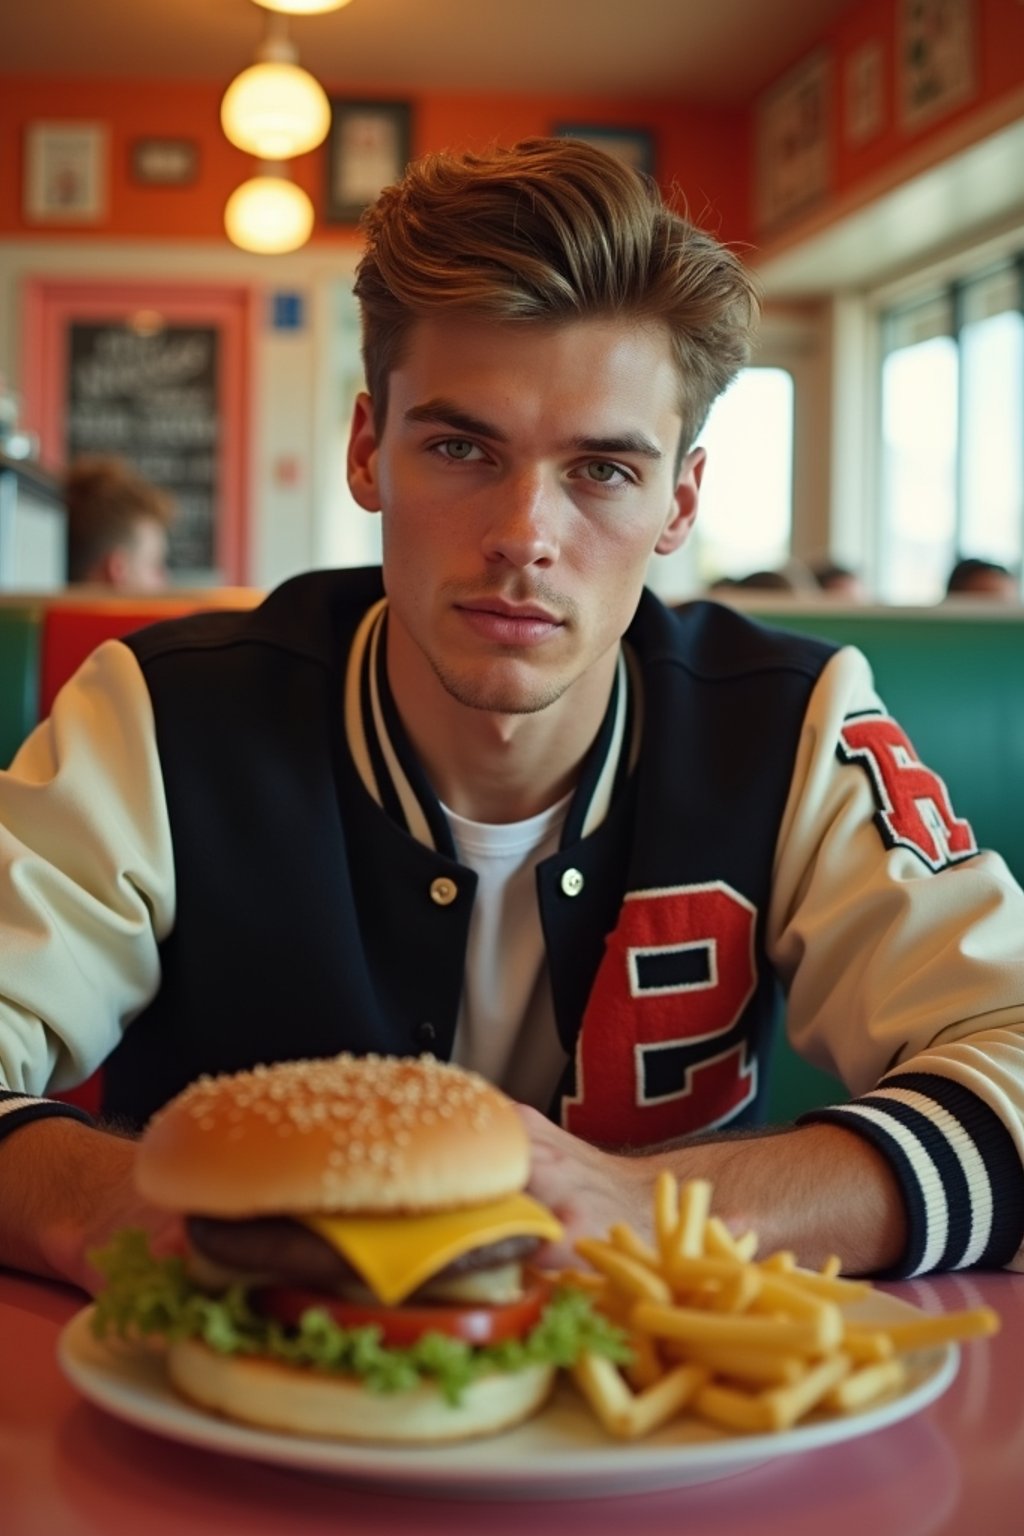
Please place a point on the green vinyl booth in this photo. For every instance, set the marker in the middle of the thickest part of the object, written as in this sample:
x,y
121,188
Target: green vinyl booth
x,y
20,645
954,679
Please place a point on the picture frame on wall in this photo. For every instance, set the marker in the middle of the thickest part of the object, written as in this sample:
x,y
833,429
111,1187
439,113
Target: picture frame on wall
x,y
65,173
633,146
793,143
864,94
935,59
164,162
368,147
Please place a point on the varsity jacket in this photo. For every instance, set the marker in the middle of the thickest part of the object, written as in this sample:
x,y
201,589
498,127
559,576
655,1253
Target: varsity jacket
x,y
221,850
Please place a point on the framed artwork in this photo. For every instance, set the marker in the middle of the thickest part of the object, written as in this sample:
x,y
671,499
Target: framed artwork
x,y
65,173
368,148
793,141
934,58
633,146
164,162
863,94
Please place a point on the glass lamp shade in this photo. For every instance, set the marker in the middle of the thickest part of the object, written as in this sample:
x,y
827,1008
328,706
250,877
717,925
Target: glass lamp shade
x,y
268,214
275,111
302,7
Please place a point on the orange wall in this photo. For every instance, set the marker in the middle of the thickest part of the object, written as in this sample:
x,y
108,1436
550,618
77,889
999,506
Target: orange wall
x,y
708,153
999,96
704,150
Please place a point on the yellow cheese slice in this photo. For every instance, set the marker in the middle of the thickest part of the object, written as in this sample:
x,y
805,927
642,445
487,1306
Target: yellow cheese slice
x,y
395,1254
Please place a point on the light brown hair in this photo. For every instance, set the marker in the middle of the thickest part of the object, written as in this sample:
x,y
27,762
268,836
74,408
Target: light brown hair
x,y
106,500
550,230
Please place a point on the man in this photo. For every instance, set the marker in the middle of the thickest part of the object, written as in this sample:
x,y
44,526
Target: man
x,y
839,581
496,802
117,525
986,579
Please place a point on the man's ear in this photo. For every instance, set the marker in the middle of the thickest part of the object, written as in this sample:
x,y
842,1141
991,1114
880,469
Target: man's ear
x,y
684,503
362,455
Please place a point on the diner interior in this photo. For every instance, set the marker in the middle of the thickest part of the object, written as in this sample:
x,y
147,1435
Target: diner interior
x,y
176,291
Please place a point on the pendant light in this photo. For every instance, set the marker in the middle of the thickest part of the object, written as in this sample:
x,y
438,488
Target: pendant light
x,y
302,7
268,213
275,109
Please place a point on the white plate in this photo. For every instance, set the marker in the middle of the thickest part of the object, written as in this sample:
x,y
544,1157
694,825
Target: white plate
x,y
562,1453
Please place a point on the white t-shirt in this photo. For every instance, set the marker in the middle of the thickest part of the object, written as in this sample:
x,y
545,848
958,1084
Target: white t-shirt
x,y
506,1026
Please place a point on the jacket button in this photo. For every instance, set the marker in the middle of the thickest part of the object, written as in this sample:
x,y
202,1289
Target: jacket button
x,y
443,891
572,882
425,1033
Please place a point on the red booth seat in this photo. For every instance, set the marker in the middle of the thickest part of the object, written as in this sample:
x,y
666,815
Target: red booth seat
x,y
73,626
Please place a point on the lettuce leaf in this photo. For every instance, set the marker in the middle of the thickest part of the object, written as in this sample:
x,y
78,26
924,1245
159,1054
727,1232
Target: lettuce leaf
x,y
146,1297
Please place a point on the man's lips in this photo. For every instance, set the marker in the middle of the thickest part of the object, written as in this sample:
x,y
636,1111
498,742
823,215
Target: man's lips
x,y
505,623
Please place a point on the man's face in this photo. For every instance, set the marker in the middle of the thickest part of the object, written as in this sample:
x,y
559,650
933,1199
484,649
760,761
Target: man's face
x,y
525,474
143,561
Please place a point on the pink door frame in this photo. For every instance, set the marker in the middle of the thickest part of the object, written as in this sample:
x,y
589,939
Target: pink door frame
x,y
52,304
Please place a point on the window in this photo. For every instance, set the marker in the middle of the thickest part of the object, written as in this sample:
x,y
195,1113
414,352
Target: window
x,y
746,502
952,408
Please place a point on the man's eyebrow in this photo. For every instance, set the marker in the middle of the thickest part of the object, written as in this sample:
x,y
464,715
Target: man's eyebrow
x,y
447,414
628,442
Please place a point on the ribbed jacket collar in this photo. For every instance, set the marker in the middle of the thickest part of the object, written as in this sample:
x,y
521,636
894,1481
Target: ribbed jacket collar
x,y
393,776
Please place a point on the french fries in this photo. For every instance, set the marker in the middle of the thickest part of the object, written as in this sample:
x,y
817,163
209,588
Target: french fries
x,y
749,1345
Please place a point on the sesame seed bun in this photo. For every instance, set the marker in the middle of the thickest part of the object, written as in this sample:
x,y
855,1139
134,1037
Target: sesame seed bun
x,y
350,1134
307,1402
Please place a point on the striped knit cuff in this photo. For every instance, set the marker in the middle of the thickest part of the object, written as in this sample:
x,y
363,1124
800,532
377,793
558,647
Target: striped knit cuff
x,y
18,1109
959,1171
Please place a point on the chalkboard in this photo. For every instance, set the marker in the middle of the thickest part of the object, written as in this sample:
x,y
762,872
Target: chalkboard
x,y
151,397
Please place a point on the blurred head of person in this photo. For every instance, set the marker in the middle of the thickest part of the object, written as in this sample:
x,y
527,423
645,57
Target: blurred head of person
x,y
765,581
983,578
839,581
117,525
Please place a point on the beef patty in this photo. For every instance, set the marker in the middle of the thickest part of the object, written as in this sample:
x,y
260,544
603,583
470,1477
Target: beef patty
x,y
293,1254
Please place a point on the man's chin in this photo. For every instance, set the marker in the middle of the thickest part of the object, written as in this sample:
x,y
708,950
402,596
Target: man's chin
x,y
502,696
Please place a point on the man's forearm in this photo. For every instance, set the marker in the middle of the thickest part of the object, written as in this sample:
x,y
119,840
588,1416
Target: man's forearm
x,y
64,1188
816,1190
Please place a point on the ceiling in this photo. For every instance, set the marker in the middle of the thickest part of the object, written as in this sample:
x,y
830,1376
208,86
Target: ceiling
x,y
626,48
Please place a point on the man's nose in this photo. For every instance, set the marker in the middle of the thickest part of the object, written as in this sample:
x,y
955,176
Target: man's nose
x,y
522,523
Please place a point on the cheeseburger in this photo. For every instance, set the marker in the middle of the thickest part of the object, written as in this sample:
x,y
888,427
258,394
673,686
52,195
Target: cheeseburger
x,y
357,1238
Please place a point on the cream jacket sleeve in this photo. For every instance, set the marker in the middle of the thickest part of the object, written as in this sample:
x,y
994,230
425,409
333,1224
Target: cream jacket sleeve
x,y
86,882
902,952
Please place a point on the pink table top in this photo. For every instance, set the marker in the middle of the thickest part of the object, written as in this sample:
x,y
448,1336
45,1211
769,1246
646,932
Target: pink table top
x,y
954,1469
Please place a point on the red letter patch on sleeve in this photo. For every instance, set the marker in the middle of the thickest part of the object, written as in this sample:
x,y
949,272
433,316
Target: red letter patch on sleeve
x,y
914,809
658,1054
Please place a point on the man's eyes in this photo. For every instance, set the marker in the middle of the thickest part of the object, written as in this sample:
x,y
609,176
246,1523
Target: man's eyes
x,y
599,472
457,449
603,472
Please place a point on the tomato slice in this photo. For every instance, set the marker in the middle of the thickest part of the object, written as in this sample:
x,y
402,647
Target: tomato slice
x,y
476,1323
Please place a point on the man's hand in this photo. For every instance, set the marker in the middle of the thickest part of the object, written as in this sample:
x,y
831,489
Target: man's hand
x,y
65,1189
816,1189
587,1189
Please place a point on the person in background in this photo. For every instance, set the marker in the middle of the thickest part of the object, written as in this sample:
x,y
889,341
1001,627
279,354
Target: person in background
x,y
117,525
754,581
496,802
839,581
766,581
983,578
